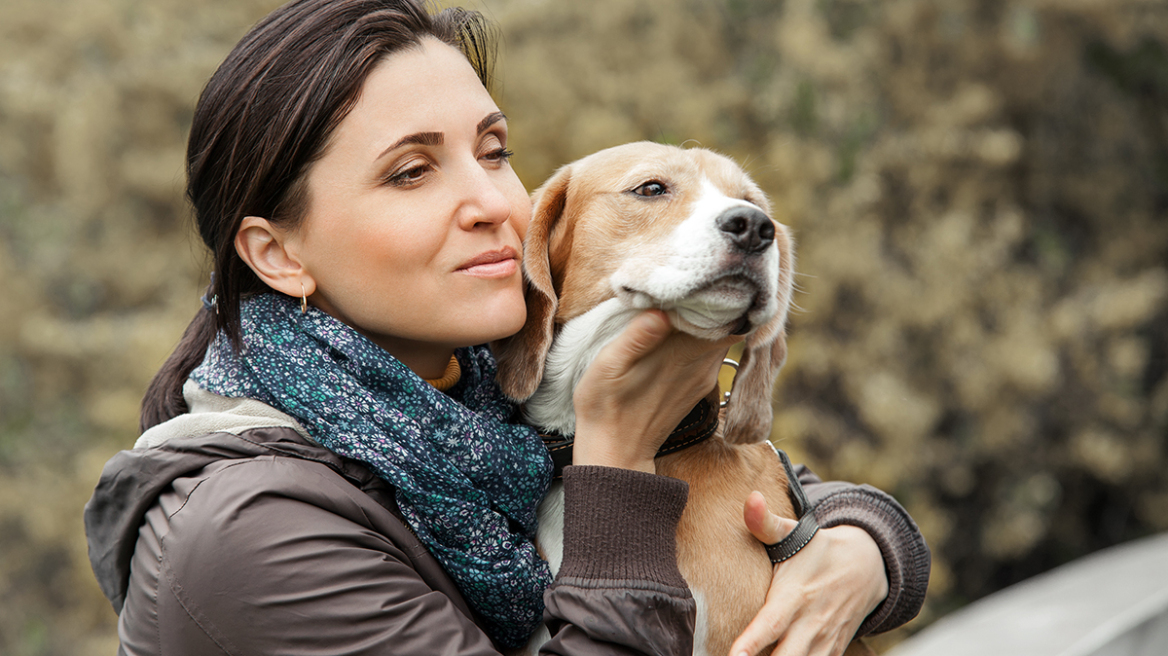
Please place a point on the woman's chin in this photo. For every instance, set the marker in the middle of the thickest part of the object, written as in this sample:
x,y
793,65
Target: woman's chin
x,y
497,321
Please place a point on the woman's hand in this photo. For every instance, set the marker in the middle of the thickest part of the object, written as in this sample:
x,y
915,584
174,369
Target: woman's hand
x,y
819,597
641,385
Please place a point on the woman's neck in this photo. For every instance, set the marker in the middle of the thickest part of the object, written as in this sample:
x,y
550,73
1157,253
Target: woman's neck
x,y
429,361
449,378
429,367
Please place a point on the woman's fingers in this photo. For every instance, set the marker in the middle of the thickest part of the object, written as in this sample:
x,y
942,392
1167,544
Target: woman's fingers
x,y
785,619
769,625
763,524
644,334
801,640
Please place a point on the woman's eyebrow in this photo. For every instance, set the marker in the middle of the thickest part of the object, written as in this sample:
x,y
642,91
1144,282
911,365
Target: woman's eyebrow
x,y
490,120
419,138
436,138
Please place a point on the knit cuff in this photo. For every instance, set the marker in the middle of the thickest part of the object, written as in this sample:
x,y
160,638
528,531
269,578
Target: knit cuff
x,y
906,555
621,524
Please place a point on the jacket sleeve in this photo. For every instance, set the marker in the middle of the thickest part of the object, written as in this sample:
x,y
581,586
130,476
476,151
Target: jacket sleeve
x,y
619,590
907,559
306,569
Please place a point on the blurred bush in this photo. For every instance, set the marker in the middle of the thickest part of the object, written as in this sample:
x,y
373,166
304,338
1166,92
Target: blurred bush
x,y
100,273
978,189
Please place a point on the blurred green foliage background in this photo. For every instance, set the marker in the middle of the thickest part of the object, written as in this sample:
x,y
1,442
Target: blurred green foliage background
x,y
979,191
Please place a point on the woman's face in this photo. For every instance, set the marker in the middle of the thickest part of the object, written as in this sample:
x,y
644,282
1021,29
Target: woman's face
x,y
414,230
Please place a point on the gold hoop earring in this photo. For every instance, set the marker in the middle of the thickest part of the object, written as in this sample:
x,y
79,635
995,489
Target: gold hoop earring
x,y
303,300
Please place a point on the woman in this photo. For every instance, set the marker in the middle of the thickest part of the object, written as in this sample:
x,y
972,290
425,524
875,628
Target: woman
x,y
327,465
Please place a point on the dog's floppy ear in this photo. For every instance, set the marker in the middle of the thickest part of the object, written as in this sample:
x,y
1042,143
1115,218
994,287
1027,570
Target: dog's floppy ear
x,y
749,414
521,357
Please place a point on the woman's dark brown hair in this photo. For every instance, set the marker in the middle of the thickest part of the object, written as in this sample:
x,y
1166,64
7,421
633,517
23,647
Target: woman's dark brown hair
x,y
264,117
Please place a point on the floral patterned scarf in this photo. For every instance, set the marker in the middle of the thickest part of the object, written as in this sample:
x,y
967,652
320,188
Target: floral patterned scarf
x,y
467,481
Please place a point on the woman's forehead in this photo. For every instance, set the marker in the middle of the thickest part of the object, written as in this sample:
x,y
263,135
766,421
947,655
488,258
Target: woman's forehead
x,y
423,86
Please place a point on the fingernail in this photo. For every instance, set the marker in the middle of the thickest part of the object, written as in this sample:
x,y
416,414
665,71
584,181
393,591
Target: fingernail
x,y
654,319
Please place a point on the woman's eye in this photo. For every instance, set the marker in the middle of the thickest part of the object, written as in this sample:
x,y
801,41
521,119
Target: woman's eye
x,y
499,155
408,176
651,188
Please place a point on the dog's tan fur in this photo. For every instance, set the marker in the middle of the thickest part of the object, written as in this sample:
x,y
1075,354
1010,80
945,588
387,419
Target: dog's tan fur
x,y
583,226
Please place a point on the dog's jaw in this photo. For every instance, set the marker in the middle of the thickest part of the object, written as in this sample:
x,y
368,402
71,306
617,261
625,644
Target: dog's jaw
x,y
729,305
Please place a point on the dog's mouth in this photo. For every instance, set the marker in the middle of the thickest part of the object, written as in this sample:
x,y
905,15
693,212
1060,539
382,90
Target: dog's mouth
x,y
735,288
723,306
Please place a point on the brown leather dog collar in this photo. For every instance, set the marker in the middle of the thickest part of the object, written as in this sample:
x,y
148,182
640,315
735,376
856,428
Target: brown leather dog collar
x,y
699,425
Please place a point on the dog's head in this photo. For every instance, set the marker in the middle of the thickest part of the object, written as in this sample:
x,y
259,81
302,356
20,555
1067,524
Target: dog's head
x,y
683,230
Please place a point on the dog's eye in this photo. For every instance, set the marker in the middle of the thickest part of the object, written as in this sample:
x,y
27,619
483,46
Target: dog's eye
x,y
651,188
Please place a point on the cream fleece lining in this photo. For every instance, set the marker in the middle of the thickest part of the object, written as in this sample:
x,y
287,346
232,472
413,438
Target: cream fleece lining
x,y
211,413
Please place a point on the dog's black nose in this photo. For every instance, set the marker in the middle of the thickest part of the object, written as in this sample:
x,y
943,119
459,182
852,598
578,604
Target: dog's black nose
x,y
747,228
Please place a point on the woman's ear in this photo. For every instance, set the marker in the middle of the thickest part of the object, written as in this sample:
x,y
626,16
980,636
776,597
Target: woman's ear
x,y
270,253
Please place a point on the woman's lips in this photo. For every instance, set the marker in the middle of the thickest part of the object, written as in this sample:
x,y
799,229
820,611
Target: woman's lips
x,y
493,264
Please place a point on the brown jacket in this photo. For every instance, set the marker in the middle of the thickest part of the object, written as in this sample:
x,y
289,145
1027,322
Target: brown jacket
x,y
262,542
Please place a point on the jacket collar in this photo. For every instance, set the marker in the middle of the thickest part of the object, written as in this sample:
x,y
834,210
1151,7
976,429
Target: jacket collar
x,y
216,429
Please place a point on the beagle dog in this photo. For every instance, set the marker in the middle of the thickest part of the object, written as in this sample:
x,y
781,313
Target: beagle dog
x,y
641,226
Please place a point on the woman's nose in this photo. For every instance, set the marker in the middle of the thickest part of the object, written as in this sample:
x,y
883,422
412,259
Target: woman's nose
x,y
484,200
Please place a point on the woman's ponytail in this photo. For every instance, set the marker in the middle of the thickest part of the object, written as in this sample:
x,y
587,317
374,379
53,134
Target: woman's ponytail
x,y
164,397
